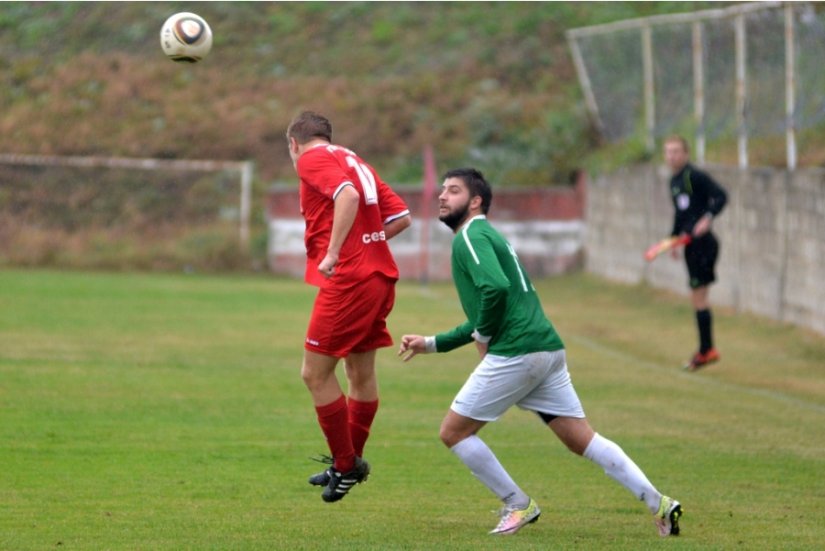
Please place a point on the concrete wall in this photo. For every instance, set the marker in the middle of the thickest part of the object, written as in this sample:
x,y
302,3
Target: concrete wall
x,y
544,225
772,234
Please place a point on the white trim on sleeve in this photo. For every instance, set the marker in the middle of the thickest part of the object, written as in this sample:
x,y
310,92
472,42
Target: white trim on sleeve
x,y
342,186
396,216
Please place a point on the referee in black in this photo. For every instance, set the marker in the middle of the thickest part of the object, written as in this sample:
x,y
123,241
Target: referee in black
x,y
697,200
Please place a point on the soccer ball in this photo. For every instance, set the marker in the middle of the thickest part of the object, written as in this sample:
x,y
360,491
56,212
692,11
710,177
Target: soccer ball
x,y
186,37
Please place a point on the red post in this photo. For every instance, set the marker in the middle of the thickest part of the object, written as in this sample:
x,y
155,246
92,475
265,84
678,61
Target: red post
x,y
426,207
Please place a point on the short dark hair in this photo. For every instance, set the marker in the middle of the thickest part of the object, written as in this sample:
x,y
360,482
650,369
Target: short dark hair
x,y
476,184
308,126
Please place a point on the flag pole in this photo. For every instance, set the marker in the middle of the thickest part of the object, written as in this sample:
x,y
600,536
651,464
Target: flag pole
x,y
426,206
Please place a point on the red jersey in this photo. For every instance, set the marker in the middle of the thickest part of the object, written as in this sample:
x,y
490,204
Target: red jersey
x,y
324,170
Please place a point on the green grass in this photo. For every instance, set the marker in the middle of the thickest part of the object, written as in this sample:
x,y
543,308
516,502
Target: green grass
x,y
167,412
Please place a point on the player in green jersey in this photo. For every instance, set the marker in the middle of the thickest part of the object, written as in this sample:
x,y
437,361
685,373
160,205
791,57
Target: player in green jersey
x,y
523,362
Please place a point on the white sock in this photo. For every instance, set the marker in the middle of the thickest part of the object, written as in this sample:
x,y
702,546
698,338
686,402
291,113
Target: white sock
x,y
618,466
484,465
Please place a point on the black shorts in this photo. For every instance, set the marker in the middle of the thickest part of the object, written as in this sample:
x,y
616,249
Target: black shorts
x,y
700,257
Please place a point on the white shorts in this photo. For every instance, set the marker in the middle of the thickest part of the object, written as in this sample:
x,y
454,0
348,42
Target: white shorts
x,y
537,382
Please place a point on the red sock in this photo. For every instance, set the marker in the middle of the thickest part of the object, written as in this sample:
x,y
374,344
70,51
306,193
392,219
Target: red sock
x,y
361,415
333,420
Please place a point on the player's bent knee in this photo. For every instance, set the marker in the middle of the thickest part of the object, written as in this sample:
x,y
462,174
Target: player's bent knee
x,y
447,437
310,381
313,379
450,436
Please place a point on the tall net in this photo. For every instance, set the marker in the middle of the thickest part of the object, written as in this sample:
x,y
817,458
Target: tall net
x,y
613,59
672,82
810,74
719,60
615,69
119,218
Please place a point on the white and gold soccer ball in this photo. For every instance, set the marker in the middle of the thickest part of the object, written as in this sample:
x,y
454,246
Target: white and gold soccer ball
x,y
186,37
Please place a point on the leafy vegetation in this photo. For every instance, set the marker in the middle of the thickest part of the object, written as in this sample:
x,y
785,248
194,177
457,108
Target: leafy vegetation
x,y
490,84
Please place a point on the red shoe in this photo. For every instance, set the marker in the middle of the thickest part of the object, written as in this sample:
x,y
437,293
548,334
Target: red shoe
x,y
700,360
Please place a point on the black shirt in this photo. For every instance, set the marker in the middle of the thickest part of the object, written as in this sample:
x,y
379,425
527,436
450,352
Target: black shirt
x,y
694,194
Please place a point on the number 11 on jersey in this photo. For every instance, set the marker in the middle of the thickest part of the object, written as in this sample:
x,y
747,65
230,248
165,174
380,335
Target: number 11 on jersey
x,y
367,180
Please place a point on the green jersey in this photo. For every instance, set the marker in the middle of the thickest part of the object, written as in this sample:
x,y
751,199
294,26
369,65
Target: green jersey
x,y
498,298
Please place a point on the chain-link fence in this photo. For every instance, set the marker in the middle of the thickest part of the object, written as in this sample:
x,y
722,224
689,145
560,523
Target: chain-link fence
x,y
747,83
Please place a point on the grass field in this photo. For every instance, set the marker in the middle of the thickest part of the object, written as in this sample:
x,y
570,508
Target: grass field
x,y
167,412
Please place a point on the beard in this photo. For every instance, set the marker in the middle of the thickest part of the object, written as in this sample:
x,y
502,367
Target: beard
x,y
455,218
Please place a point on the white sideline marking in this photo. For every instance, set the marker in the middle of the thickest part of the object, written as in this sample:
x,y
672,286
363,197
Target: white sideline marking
x,y
692,377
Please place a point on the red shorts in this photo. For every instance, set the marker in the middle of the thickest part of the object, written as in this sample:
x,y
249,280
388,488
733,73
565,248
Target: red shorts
x,y
352,319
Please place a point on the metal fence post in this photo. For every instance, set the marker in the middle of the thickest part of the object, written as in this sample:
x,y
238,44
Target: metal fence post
x,y
741,91
790,87
650,106
699,91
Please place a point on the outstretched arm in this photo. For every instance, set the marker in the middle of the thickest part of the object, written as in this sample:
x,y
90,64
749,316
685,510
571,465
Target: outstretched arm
x,y
415,344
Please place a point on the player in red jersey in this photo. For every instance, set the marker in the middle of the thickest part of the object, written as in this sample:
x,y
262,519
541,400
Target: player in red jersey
x,y
350,215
